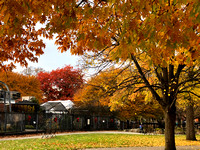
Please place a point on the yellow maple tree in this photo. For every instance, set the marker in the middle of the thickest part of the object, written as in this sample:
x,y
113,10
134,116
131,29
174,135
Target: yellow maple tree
x,y
112,89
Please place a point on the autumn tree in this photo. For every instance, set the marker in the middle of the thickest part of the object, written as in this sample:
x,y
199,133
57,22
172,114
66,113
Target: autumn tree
x,y
26,85
19,38
188,100
162,37
113,88
92,95
159,36
60,84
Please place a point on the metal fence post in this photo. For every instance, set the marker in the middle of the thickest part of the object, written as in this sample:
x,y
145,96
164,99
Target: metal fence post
x,y
72,122
37,122
5,122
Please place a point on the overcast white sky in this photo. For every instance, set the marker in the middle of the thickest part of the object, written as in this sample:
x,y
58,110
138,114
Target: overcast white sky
x,y
52,58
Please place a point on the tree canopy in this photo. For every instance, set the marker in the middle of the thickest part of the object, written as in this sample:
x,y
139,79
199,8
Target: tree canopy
x,y
26,85
119,27
113,88
60,84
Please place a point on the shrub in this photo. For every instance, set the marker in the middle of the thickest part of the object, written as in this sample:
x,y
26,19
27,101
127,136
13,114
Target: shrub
x,y
29,127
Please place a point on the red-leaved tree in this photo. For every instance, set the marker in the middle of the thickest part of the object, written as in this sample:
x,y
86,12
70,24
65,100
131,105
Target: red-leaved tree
x,y
60,84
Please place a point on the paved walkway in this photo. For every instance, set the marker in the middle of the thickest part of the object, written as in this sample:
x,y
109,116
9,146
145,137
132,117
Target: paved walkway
x,y
65,133
106,132
148,148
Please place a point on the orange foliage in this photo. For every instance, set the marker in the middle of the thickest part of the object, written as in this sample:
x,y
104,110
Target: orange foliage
x,y
165,30
26,85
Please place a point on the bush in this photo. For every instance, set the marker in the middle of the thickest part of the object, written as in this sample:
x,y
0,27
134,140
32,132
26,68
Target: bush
x,y
179,130
159,131
29,127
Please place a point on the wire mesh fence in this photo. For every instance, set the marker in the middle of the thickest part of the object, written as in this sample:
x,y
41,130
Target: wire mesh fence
x,y
50,123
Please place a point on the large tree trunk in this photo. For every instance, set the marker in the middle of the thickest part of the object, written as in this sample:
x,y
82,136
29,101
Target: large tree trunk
x,y
190,130
169,83
170,117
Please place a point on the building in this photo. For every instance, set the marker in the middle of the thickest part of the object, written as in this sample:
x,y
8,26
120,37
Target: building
x,y
58,106
27,98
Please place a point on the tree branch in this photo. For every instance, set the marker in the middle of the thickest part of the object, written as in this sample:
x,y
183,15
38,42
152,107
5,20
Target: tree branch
x,y
154,93
190,92
159,75
178,72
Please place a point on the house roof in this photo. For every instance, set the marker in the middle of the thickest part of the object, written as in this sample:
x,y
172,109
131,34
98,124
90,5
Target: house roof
x,y
59,105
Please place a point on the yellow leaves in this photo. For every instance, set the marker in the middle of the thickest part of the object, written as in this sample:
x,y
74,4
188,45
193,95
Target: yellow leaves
x,y
161,34
148,96
183,56
180,58
156,28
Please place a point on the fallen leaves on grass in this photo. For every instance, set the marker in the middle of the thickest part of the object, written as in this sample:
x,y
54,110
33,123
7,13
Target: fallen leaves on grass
x,y
81,141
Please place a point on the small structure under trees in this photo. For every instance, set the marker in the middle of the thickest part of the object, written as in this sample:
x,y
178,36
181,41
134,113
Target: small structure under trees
x,y
58,106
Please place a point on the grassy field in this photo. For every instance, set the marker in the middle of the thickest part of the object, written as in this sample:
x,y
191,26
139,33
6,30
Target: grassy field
x,y
81,141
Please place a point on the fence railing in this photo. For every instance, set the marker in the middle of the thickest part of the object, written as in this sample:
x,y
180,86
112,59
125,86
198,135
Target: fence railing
x,y
49,122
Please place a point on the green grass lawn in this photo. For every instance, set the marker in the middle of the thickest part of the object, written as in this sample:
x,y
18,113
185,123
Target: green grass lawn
x,y
80,141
